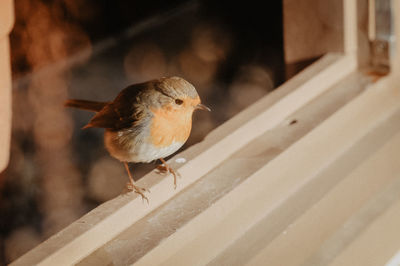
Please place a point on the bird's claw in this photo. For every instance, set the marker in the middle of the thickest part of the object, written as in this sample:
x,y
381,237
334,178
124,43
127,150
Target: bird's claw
x,y
138,190
164,168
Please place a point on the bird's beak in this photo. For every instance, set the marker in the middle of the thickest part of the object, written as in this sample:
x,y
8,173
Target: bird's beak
x,y
202,107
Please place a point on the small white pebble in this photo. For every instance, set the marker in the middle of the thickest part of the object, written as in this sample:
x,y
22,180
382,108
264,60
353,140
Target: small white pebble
x,y
180,160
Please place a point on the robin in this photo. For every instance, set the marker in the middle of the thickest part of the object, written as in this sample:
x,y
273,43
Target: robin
x,y
145,122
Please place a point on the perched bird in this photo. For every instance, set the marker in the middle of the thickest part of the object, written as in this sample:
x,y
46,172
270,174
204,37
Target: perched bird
x,y
145,122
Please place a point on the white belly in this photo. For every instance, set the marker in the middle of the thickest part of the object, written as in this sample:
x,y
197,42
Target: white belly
x,y
147,152
132,150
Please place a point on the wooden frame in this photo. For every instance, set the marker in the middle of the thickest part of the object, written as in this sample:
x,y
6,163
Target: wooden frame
x,y
6,23
312,148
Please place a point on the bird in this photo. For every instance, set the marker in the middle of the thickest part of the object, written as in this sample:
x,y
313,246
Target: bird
x,y
145,122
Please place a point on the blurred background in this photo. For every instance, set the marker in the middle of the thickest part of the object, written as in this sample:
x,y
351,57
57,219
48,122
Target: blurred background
x,y
91,49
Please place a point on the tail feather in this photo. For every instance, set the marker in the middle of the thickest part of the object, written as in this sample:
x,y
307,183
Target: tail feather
x,y
86,105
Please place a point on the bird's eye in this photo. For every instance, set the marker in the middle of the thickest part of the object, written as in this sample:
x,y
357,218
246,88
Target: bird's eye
x,y
178,101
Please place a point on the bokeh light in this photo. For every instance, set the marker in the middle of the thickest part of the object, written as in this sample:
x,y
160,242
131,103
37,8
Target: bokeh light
x,y
144,62
86,49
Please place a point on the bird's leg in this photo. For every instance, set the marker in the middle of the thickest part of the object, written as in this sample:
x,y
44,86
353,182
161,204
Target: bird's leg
x,y
132,186
164,167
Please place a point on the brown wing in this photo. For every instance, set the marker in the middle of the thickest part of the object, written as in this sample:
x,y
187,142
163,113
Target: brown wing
x,y
121,113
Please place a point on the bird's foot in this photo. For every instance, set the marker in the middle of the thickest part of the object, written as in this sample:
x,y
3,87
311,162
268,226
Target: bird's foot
x,y
165,168
139,190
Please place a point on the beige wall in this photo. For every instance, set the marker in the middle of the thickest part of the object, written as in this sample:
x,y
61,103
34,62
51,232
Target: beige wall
x,y
312,28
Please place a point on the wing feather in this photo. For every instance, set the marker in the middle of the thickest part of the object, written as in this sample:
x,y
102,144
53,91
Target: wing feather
x,y
124,112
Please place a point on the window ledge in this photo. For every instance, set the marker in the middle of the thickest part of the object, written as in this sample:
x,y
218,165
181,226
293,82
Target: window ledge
x,y
105,222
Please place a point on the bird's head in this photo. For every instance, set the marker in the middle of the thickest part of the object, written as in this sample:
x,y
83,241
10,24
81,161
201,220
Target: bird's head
x,y
177,95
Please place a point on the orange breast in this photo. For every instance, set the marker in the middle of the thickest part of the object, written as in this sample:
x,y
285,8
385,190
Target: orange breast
x,y
170,126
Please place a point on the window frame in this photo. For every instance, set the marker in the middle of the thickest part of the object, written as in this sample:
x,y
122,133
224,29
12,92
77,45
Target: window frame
x,y
105,222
